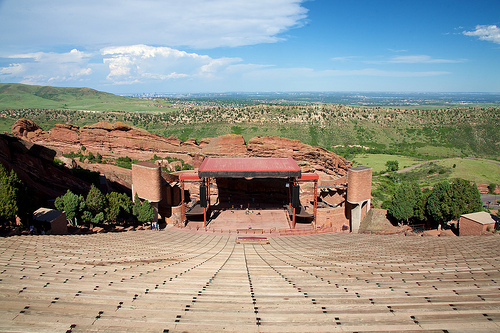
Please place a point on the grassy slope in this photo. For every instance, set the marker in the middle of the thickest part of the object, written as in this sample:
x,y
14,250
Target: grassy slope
x,y
20,96
479,171
377,161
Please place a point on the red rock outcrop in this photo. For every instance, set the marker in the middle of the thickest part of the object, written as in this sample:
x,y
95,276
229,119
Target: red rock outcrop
x,y
34,164
317,157
230,145
22,127
119,139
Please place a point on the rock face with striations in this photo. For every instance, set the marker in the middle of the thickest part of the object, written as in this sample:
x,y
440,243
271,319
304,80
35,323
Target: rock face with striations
x,y
319,158
34,164
119,139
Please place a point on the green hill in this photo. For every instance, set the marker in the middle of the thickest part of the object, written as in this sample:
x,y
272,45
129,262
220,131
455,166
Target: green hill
x,y
22,96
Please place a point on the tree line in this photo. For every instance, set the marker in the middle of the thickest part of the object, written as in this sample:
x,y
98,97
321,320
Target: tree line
x,y
98,208
445,202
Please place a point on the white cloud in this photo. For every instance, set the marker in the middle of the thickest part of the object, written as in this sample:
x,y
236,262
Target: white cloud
x,y
344,58
404,59
490,33
137,63
421,59
193,23
308,72
12,69
47,67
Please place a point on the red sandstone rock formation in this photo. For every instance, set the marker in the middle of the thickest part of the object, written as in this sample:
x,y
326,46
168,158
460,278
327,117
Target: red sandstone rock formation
x,y
230,145
22,127
119,139
34,164
319,158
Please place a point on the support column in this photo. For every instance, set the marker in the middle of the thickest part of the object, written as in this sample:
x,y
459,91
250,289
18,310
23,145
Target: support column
x,y
315,210
183,207
356,217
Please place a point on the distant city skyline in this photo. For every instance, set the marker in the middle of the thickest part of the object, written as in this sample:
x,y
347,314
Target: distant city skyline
x,y
196,46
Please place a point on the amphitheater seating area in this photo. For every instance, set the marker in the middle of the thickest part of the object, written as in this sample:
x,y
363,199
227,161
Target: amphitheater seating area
x,y
179,281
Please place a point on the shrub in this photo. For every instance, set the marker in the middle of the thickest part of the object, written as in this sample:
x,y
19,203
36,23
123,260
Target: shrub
x,y
392,166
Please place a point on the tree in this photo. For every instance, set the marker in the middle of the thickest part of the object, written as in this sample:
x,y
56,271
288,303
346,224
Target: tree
x,y
14,197
8,196
143,210
119,205
95,201
392,166
449,201
404,201
72,204
90,157
437,209
464,198
420,213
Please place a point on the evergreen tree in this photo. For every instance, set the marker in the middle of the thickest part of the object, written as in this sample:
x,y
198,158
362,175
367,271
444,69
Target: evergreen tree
x,y
14,197
437,204
72,204
404,201
449,201
143,210
8,197
420,213
464,198
119,205
95,201
137,205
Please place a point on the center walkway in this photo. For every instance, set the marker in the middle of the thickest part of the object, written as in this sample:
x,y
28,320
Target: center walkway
x,y
173,281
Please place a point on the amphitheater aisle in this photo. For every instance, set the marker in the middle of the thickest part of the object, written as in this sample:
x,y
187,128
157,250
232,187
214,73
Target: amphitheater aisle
x,y
177,281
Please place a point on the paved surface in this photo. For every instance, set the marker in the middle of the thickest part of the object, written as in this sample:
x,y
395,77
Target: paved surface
x,y
177,281
490,200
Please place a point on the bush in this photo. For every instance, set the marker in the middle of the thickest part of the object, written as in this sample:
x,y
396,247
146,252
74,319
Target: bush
x,y
392,166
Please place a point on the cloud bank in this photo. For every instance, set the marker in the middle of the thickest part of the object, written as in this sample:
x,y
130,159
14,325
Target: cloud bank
x,y
197,24
132,64
490,33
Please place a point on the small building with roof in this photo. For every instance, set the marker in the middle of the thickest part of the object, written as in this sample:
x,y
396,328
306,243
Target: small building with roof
x,y
51,221
478,223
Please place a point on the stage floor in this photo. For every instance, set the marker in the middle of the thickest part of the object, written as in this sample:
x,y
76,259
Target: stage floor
x,y
252,219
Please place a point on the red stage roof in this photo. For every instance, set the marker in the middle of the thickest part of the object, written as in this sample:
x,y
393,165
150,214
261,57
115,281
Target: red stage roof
x,y
308,177
249,167
189,177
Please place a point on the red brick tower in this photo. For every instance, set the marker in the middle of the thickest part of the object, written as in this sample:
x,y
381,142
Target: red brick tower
x,y
359,188
146,182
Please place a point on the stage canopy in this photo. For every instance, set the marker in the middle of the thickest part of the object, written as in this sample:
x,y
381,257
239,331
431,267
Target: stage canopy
x,y
249,168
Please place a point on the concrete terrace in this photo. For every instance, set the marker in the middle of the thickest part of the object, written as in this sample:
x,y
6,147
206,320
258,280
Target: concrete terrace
x,y
176,281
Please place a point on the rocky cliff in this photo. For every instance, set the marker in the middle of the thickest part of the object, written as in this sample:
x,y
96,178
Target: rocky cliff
x,y
119,139
34,164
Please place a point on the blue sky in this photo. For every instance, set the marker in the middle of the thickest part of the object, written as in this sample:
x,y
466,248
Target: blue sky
x,y
132,46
